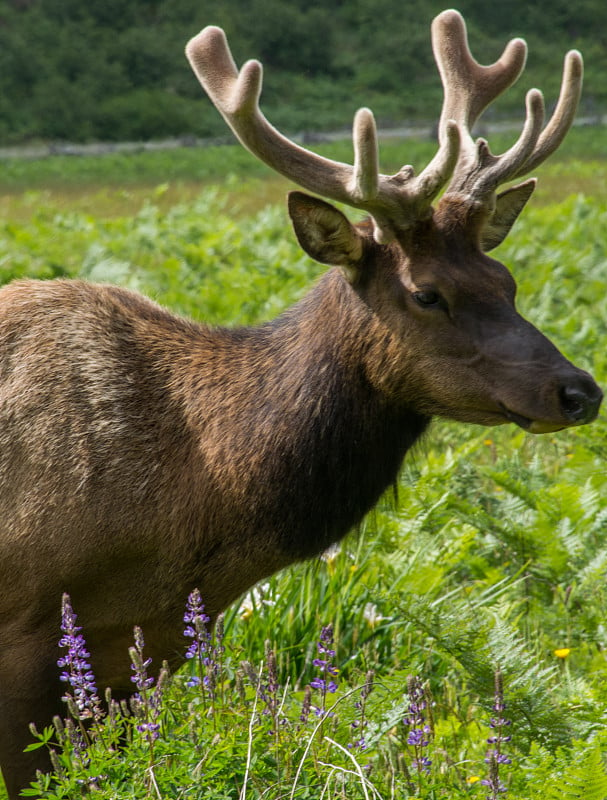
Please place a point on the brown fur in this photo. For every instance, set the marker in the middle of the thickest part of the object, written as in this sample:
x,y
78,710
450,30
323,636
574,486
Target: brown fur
x,y
142,455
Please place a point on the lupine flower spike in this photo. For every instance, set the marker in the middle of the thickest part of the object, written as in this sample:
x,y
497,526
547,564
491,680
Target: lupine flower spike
x,y
84,701
269,690
494,756
359,725
306,706
419,731
196,629
142,704
325,682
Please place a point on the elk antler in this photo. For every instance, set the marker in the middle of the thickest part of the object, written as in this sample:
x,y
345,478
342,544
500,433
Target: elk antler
x,y
469,88
394,201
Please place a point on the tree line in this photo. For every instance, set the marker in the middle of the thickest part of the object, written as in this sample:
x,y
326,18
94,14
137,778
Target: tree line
x,y
115,70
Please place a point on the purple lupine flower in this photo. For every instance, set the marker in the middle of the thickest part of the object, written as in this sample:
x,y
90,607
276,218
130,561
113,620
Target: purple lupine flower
x,y
328,671
417,737
324,685
139,665
268,690
306,706
145,704
494,785
422,764
196,626
494,756
420,732
359,725
76,668
152,728
200,649
501,758
325,643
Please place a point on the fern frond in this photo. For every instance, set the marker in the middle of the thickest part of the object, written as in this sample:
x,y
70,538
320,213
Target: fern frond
x,y
584,777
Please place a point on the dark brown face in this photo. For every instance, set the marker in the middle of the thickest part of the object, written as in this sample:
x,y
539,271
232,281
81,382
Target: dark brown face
x,y
457,346
469,353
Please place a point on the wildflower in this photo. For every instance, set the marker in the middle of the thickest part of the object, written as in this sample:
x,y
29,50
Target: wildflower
x,y
493,782
562,652
372,615
139,665
494,756
149,727
359,725
306,705
472,779
419,733
330,557
269,690
196,621
324,682
253,600
145,704
77,671
77,737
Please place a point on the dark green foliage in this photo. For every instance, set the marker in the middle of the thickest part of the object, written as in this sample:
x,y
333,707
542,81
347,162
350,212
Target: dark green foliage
x,y
116,70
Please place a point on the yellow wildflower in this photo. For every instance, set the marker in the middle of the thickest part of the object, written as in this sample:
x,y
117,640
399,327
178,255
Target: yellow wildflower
x,y
472,779
562,652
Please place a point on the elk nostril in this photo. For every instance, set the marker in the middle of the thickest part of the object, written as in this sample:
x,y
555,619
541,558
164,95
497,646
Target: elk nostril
x,y
580,404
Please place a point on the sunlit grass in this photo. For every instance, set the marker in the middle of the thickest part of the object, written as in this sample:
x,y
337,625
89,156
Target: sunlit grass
x,y
116,185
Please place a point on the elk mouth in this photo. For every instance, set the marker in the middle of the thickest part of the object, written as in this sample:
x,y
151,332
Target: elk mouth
x,y
518,419
531,425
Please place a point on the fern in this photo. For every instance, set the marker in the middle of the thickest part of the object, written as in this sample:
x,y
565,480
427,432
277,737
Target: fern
x,y
480,634
584,776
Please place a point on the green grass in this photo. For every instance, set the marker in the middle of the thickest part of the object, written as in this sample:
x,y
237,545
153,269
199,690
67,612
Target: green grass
x,y
494,552
213,164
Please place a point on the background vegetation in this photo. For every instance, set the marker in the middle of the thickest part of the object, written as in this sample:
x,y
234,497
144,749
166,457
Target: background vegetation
x,y
115,69
493,554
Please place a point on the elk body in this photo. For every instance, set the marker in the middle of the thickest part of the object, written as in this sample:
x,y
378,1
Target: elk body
x,y
142,455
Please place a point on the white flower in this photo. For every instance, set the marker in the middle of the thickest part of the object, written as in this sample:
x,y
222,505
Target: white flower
x,y
254,599
372,615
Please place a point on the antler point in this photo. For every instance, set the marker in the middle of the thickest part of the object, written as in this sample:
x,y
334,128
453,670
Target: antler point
x,y
575,63
448,17
208,37
534,98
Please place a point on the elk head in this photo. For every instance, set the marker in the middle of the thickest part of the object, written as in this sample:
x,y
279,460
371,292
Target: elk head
x,y
458,347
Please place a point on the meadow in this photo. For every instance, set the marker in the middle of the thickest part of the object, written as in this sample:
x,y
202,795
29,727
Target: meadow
x,y
455,645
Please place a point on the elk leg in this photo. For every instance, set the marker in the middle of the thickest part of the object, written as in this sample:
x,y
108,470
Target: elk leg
x,y
30,691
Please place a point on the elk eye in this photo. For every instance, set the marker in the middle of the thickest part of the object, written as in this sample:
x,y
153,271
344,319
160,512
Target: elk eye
x,y
428,298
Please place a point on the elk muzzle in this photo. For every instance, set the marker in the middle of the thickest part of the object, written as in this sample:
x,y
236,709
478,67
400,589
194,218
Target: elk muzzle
x,y
578,399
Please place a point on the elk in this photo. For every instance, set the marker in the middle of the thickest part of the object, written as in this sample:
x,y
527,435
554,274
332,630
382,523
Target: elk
x,y
142,454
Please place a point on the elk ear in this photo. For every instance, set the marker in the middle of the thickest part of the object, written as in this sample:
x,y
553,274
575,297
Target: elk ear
x,y
325,233
508,205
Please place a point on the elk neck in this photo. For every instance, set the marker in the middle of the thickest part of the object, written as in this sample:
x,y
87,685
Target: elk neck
x,y
304,441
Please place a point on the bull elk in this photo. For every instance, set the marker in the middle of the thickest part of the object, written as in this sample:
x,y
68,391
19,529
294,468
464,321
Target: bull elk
x,y
142,454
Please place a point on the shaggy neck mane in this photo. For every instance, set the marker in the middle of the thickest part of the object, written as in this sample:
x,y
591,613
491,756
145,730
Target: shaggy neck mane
x,y
318,444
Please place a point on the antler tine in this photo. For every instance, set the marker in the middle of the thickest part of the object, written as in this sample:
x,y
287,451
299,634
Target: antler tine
x,y
364,182
469,87
563,115
394,201
236,96
494,170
